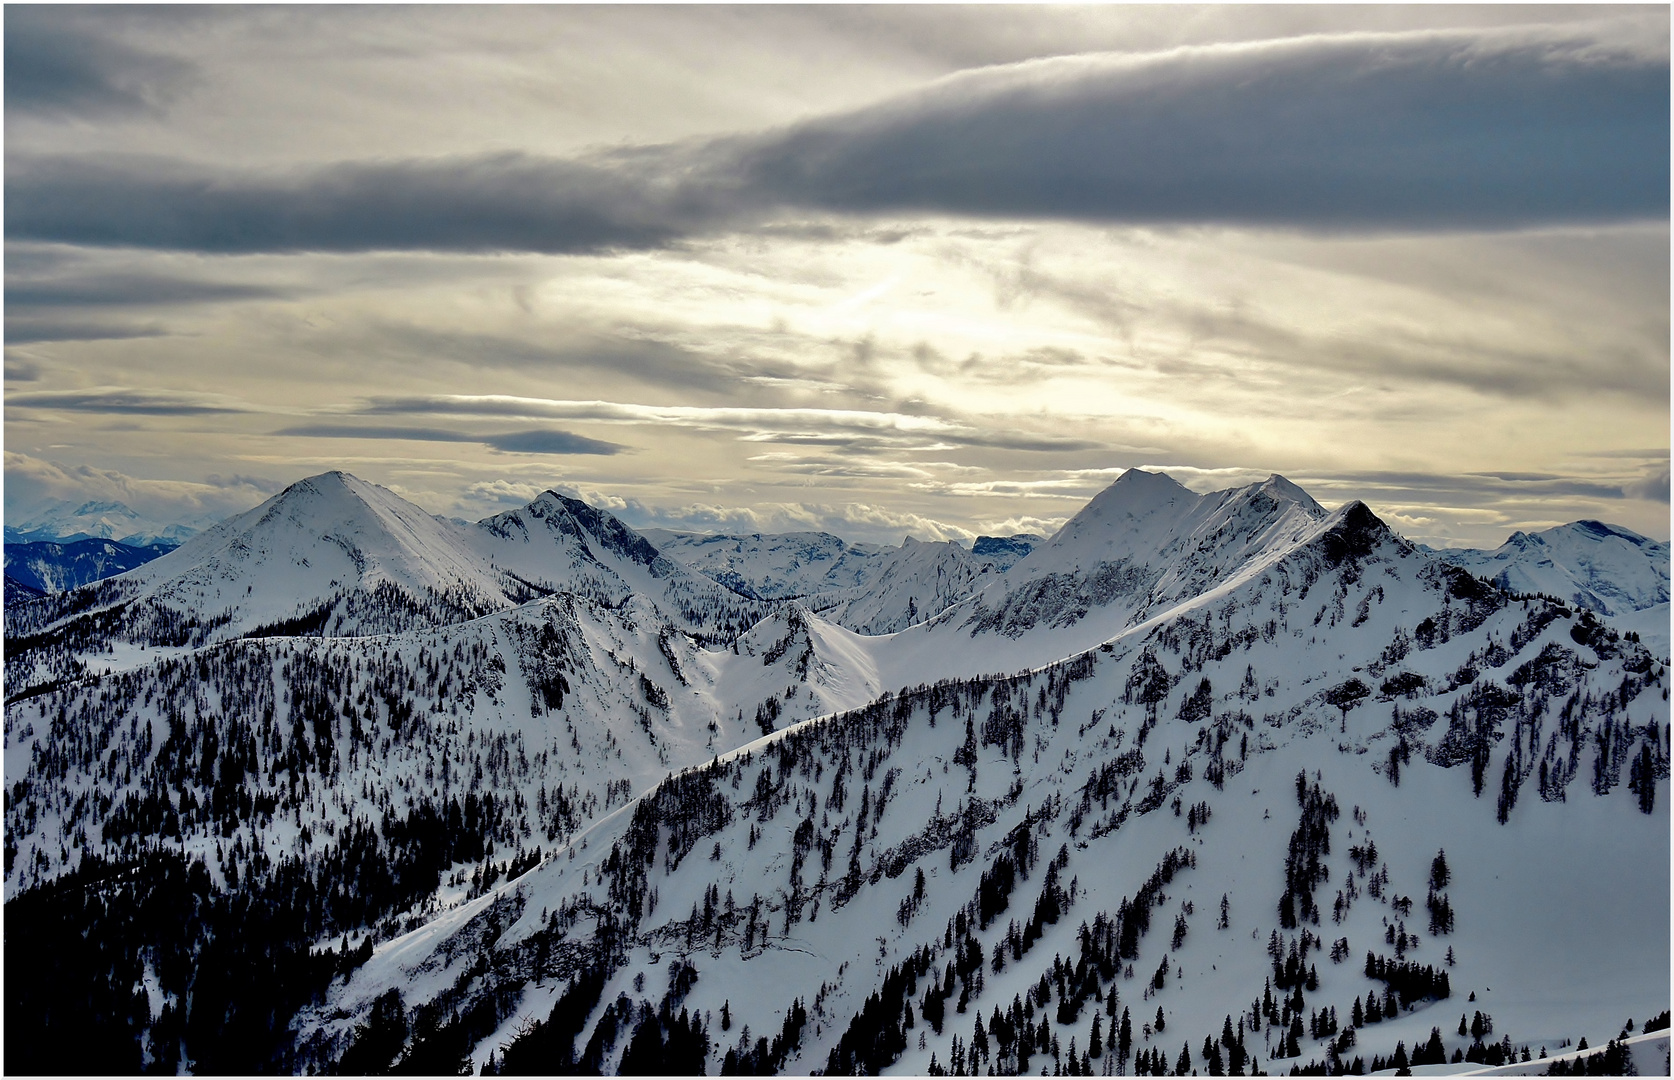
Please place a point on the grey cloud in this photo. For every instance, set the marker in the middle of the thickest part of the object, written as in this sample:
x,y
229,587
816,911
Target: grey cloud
x,y
1415,130
510,442
648,360
238,480
1481,488
937,441
19,370
504,202
969,35
1425,506
1652,452
1653,486
828,427
120,290
852,521
831,469
128,401
1474,361
1459,129
731,374
1021,441
749,419
58,63
22,330
549,442
367,431
33,483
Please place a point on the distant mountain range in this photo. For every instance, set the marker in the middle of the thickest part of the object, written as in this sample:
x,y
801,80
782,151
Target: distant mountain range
x,y
1607,568
65,522
868,588
339,785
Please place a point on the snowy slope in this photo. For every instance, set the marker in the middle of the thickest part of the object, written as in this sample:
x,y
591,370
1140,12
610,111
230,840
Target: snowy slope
x,y
1144,542
1607,568
565,694
55,567
560,544
1652,626
1139,549
1469,709
19,593
868,588
1648,1052
776,566
908,585
320,539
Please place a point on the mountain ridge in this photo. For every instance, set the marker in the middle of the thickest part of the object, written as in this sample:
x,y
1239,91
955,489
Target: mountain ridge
x,y
1354,551
682,811
1608,568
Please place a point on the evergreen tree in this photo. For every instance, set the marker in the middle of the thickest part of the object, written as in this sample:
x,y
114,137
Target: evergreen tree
x,y
644,1055
1647,779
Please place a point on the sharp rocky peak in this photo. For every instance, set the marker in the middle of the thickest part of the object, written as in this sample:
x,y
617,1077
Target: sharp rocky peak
x,y
573,517
1353,532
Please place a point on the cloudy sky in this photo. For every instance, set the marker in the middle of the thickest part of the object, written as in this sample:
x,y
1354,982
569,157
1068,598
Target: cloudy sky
x,y
926,270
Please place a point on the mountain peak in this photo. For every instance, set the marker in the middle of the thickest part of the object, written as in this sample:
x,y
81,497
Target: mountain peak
x,y
1144,480
119,509
1603,530
1136,493
588,523
345,497
1606,567
1353,532
1281,488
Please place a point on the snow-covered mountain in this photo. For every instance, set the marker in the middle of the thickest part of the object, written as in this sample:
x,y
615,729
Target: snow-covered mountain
x,y
909,584
868,588
18,593
1140,548
560,544
1607,568
335,555
1143,542
773,566
66,522
330,541
55,567
1355,739
1130,784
